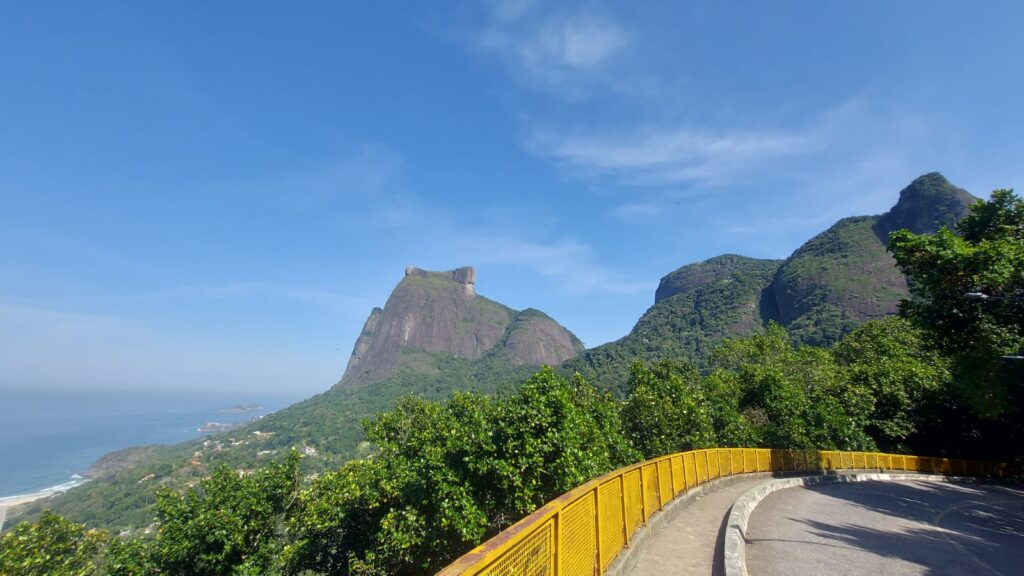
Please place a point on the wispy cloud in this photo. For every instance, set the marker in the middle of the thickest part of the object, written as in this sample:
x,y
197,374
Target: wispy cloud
x,y
328,300
553,51
671,156
572,267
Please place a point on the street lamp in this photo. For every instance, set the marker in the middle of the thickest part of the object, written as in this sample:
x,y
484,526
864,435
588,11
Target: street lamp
x,y
983,296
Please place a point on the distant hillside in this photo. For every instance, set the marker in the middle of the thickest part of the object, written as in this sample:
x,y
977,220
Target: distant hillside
x,y
434,336
844,276
830,285
695,307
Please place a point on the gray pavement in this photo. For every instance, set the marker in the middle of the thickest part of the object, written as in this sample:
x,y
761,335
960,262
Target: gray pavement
x,y
689,543
886,528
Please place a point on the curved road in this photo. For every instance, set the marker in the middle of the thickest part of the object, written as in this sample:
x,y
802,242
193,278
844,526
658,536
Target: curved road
x,y
877,528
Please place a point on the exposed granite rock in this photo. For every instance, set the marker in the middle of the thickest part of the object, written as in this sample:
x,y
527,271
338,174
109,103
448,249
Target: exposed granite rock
x,y
440,312
692,277
534,338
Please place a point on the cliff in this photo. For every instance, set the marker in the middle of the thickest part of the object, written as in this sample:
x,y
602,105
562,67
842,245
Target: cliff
x,y
440,313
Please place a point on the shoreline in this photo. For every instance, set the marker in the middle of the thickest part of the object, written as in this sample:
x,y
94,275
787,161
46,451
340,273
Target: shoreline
x,y
9,502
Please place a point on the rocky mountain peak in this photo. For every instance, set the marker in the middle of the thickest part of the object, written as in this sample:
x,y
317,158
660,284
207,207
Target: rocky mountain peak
x,y
466,276
439,313
925,205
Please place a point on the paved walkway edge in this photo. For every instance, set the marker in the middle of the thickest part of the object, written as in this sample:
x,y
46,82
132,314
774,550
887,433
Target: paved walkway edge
x,y
735,561
630,554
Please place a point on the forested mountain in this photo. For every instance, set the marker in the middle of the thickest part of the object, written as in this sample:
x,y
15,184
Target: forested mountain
x,y
436,335
695,307
833,283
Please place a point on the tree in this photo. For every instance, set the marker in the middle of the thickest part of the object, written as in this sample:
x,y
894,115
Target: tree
x,y
54,546
793,397
889,359
446,475
666,410
967,295
228,524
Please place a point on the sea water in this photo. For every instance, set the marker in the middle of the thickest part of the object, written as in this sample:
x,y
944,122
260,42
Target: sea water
x,y
49,438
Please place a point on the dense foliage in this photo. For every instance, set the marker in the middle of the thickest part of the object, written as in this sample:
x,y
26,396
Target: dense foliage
x,y
436,476
967,291
448,474
441,476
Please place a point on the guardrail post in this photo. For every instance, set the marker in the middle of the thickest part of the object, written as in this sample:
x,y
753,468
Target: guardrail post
x,y
671,479
597,529
557,549
622,500
643,496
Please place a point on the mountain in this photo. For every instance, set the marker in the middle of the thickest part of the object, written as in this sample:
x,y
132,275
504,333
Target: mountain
x,y
434,335
695,307
828,286
844,276
441,313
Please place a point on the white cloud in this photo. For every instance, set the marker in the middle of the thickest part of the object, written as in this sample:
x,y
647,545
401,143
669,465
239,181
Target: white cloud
x,y
671,156
571,266
554,52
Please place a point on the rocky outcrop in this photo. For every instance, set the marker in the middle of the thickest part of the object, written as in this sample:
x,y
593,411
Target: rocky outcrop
x,y
927,204
441,313
844,276
534,338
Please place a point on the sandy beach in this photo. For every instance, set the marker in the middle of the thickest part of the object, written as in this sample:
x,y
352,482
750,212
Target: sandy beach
x,y
12,501
9,502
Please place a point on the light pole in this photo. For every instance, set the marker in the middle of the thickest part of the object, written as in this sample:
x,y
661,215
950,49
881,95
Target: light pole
x,y
976,295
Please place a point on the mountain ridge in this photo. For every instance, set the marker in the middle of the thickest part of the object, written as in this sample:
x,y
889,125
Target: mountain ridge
x,y
833,282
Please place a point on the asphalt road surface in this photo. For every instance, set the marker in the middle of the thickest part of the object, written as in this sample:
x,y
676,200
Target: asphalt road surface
x,y
883,528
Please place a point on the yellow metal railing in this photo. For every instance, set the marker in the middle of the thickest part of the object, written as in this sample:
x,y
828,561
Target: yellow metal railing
x,y
583,530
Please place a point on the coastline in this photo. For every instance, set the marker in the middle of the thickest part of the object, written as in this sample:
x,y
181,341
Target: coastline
x,y
19,499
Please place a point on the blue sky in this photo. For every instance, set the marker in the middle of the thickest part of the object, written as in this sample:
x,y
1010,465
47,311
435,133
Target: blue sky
x,y
198,194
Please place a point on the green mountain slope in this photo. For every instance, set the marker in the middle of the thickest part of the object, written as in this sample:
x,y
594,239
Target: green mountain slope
x,y
434,336
826,288
844,276
697,306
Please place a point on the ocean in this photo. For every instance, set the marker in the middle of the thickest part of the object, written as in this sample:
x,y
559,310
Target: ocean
x,y
47,438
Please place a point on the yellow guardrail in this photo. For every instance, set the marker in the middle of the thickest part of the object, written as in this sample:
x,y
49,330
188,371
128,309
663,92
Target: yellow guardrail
x,y
583,530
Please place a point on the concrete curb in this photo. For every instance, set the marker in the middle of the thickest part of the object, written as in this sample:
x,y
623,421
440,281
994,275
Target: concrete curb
x,y
734,549
630,554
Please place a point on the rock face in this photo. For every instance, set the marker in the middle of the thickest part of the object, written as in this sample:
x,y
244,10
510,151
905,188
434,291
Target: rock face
x,y
441,313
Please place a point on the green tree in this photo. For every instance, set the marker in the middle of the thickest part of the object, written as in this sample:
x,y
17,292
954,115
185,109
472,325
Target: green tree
x,y
794,397
124,557
446,475
889,359
666,410
54,546
967,295
228,524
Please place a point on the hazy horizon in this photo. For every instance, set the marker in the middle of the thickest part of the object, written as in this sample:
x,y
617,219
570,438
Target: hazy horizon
x,y
196,197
